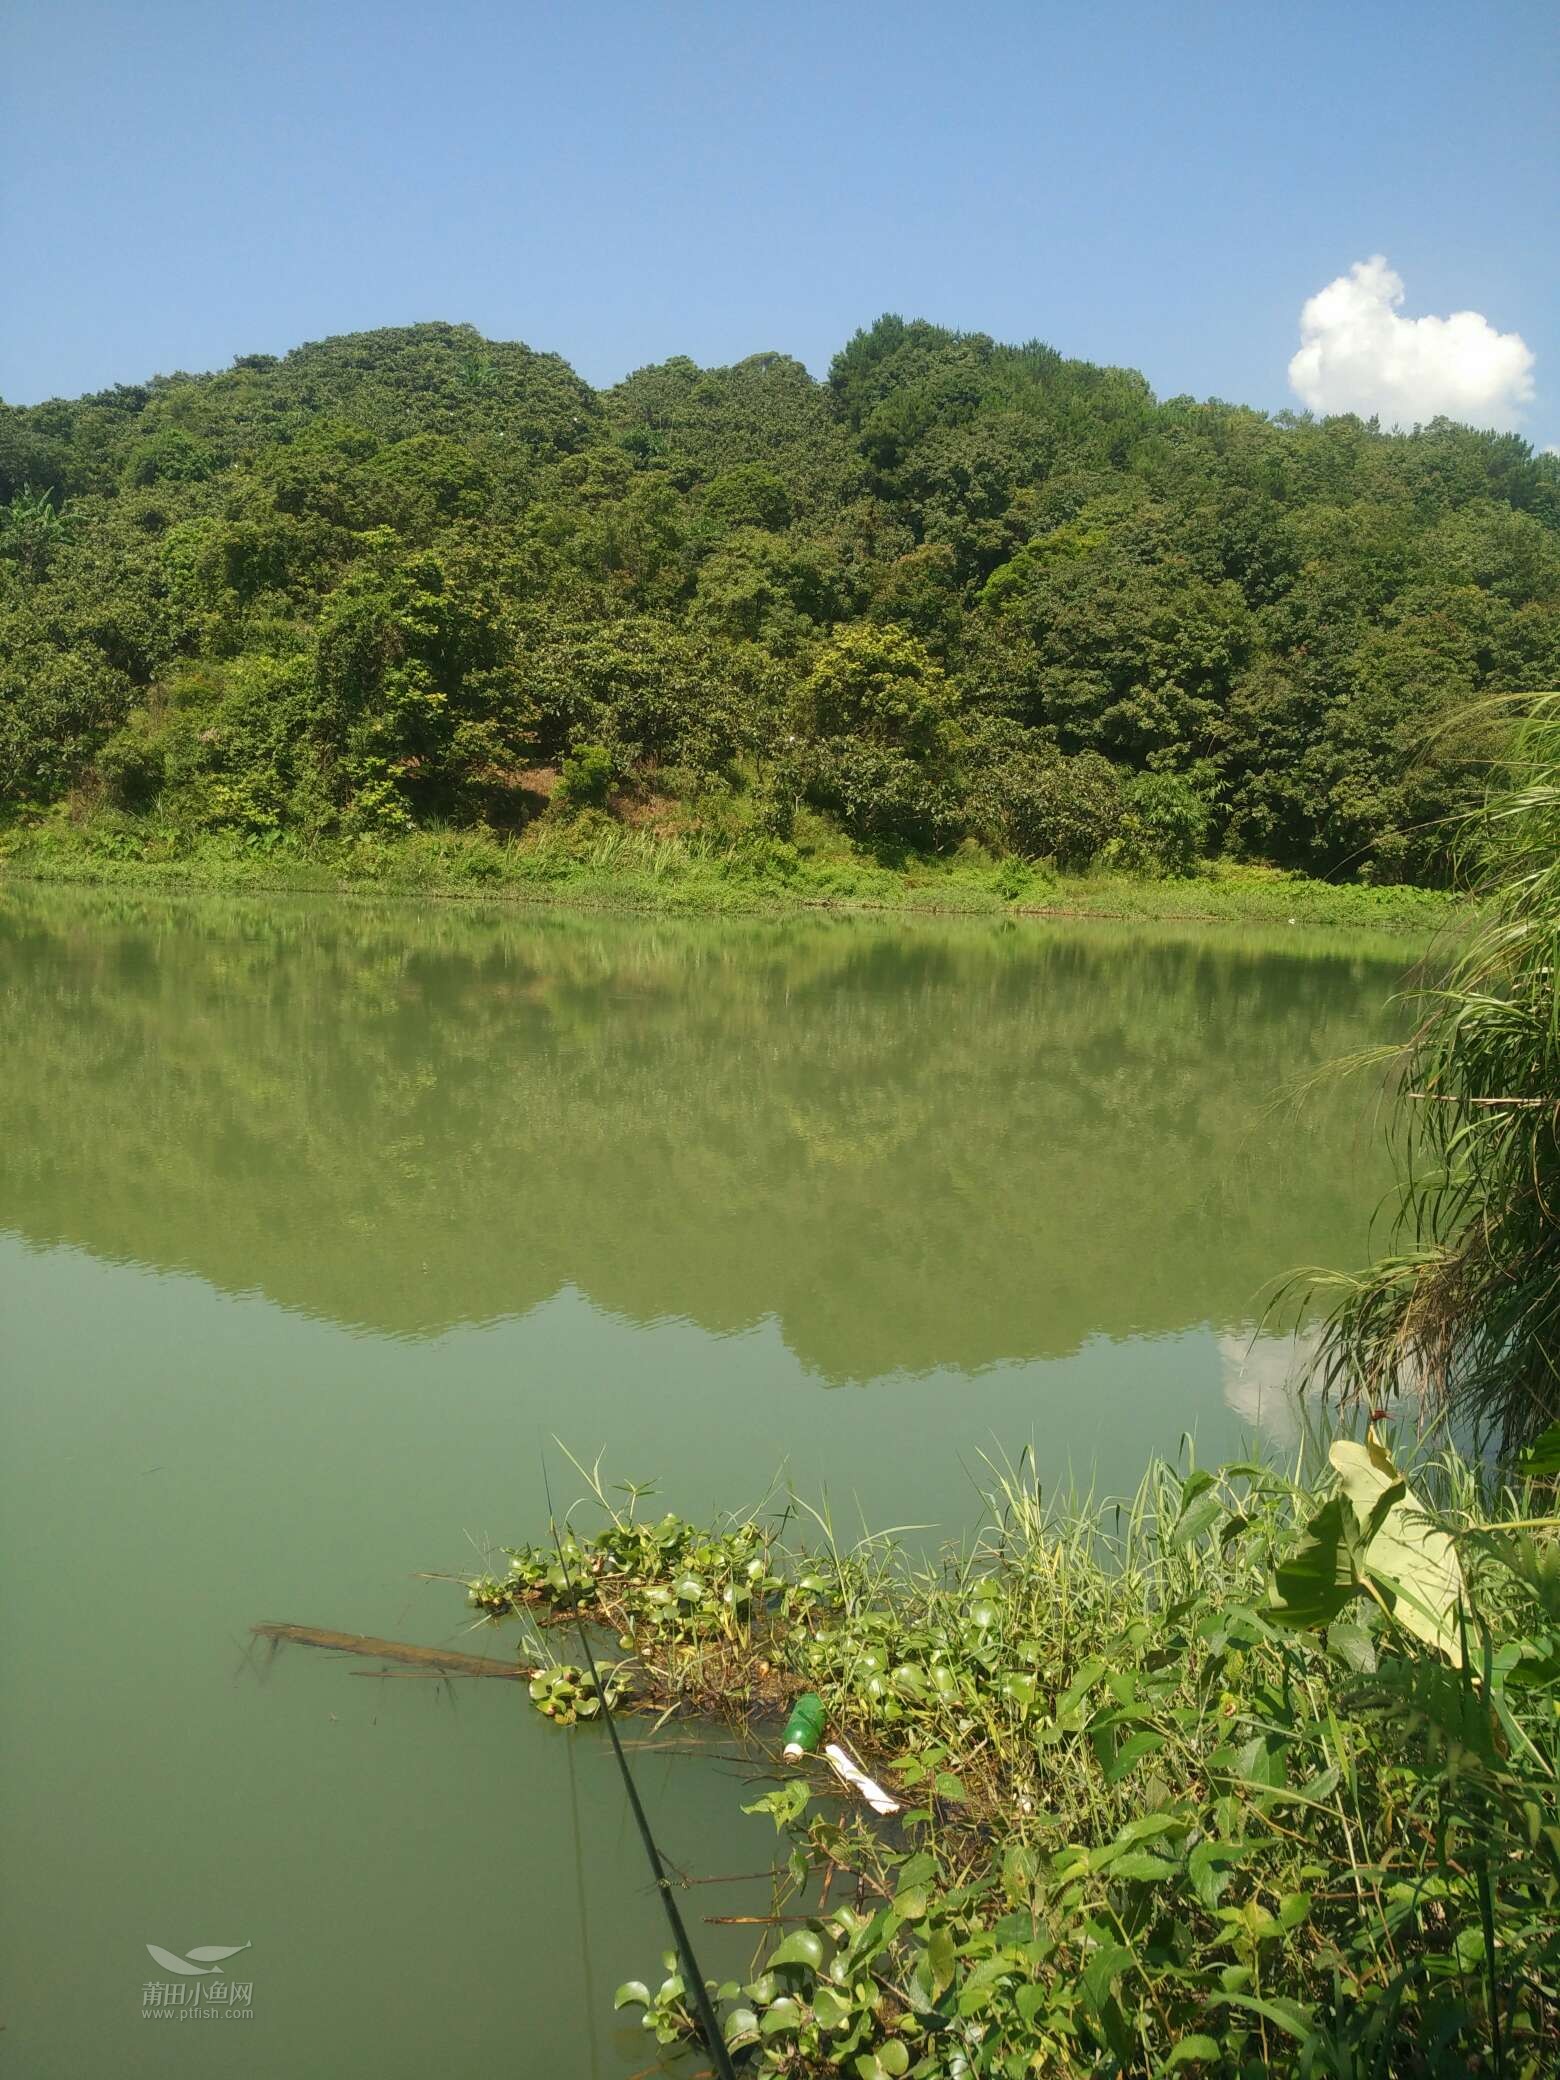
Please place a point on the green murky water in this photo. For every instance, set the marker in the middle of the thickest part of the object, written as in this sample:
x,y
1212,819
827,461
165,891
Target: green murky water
x,y
317,1222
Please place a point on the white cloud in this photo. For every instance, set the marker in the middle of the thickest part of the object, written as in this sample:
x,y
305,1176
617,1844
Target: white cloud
x,y
1357,355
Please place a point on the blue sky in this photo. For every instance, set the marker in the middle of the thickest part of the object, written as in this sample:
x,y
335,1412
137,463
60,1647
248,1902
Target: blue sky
x,y
1160,185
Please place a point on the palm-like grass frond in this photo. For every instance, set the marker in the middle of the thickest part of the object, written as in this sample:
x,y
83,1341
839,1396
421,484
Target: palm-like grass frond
x,y
1466,1314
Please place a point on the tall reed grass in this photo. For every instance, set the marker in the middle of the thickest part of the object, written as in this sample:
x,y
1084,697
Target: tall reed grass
x,y
1464,1313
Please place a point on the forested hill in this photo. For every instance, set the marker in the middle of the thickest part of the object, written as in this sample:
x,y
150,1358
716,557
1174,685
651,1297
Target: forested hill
x,y
958,593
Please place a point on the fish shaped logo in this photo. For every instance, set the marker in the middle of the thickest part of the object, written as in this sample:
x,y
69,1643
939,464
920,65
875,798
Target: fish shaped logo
x,y
205,1957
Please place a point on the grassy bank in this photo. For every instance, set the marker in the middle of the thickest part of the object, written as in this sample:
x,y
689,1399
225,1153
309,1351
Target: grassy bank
x,y
1247,1775
608,866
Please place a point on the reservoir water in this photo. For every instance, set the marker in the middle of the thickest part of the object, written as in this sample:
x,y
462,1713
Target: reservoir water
x,y
320,1221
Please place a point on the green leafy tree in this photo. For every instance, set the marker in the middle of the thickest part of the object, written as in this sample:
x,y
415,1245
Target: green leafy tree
x,y
487,565
879,718
1134,658
169,456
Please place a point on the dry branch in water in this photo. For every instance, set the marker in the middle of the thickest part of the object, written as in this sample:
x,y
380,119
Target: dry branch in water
x,y
443,1661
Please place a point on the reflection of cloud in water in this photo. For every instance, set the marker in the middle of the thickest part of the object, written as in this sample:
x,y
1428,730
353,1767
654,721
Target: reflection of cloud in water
x,y
1260,1379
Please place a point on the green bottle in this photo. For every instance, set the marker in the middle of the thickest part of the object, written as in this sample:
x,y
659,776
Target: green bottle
x,y
804,1728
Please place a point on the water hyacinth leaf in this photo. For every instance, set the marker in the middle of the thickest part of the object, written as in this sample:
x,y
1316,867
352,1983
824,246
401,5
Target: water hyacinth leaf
x,y
830,2008
893,2058
633,1993
781,2014
1018,1687
1404,1553
800,1947
741,2027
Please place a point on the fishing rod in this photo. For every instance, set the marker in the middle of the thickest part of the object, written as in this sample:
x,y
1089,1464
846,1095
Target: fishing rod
x,y
693,1978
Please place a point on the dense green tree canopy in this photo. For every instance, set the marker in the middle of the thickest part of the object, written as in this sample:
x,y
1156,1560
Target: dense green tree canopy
x,y
958,592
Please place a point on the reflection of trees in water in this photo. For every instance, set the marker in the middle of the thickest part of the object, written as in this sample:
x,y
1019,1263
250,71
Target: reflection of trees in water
x,y
914,1145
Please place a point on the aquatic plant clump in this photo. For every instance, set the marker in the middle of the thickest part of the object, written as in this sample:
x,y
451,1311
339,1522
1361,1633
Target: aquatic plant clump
x,y
1248,1775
